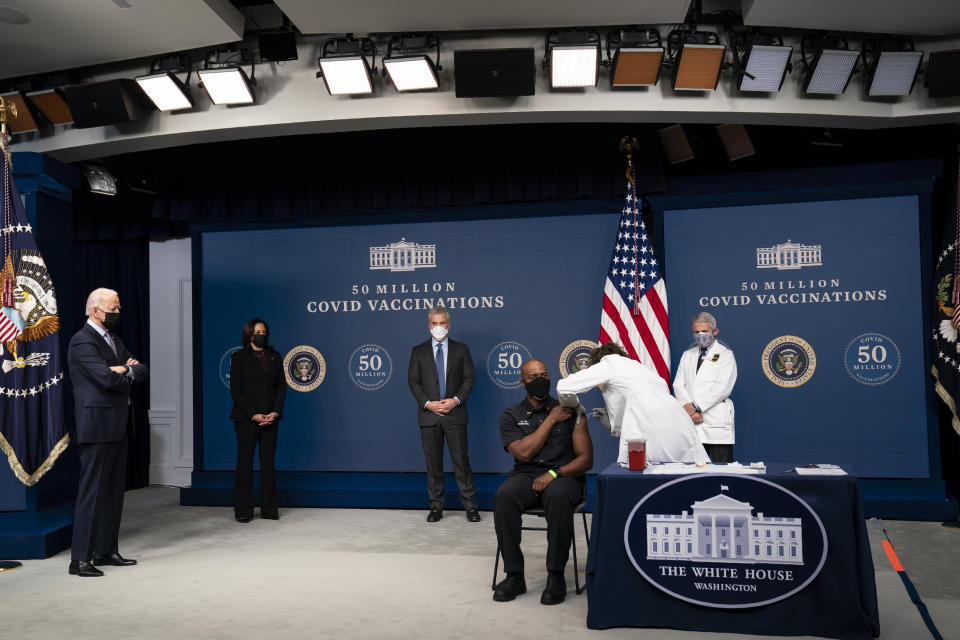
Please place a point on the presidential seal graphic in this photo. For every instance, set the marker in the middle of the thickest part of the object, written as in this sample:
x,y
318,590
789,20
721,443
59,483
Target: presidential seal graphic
x,y
872,359
370,367
225,365
788,361
30,313
503,364
575,356
305,368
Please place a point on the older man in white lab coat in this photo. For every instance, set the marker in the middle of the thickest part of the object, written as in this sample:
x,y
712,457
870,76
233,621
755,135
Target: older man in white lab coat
x,y
704,381
639,405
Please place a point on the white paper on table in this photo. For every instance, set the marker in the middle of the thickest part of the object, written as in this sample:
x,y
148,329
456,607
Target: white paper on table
x,y
682,468
821,470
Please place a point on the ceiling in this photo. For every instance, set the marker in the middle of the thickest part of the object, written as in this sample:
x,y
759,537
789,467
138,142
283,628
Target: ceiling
x,y
66,34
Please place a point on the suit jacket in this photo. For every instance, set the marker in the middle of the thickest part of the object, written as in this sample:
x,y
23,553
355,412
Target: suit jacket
x,y
425,386
709,389
253,389
100,396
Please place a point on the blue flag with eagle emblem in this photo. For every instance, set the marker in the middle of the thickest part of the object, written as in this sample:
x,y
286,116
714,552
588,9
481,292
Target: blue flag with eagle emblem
x,y
946,354
32,431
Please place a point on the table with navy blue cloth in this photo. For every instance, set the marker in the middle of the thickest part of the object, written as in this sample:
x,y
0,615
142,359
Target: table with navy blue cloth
x,y
840,602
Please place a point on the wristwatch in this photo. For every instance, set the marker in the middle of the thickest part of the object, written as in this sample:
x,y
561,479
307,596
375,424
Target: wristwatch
x,y
557,471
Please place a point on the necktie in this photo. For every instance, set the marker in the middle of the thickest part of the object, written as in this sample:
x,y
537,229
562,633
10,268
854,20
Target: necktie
x,y
113,346
703,352
441,373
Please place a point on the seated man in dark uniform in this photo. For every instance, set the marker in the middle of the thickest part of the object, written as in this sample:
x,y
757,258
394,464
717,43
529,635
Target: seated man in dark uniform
x,y
552,451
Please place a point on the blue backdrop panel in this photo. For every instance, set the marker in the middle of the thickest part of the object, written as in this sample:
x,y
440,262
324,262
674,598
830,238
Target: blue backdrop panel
x,y
533,283
851,294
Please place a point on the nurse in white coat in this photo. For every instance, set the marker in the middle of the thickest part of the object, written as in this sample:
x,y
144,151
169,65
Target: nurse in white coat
x,y
704,389
639,405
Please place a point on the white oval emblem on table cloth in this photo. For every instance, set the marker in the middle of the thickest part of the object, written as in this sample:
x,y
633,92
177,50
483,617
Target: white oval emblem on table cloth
x,y
725,541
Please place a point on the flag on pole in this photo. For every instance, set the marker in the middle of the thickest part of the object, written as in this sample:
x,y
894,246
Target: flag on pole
x,y
634,295
946,354
32,430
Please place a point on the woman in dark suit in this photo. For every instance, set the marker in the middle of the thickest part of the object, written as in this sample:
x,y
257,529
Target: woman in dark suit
x,y
258,387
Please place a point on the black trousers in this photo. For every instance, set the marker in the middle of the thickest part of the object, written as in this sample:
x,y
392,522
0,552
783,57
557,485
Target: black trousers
x,y
558,500
719,452
248,435
96,516
432,440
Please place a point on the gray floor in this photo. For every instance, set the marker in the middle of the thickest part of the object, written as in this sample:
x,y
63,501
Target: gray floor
x,y
345,573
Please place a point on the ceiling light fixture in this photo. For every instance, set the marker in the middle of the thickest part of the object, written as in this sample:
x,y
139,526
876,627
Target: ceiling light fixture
x,y
636,56
223,79
697,58
407,64
344,67
164,89
573,58
892,66
828,64
762,61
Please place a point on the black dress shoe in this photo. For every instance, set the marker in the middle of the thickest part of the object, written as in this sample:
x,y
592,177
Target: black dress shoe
x,y
556,589
272,516
114,559
84,569
473,515
434,515
244,519
512,586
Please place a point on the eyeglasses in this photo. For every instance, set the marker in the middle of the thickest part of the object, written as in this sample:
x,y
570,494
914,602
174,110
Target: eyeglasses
x,y
105,311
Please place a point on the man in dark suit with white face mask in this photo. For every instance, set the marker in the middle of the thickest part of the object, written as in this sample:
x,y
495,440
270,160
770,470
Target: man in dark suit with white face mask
x,y
441,376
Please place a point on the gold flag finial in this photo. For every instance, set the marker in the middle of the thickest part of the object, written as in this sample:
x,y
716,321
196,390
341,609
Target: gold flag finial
x,y
6,107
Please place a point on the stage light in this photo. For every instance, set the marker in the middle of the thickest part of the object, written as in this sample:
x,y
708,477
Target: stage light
x,y
762,61
736,141
53,105
637,58
573,58
943,74
20,119
164,89
675,144
100,180
223,79
344,67
407,64
697,59
828,64
892,66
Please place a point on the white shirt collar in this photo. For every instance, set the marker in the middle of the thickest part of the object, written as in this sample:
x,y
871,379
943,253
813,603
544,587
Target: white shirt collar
x,y
99,329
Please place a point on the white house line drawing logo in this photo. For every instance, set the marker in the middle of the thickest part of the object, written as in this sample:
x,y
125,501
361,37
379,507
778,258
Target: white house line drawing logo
x,y
722,529
403,256
789,255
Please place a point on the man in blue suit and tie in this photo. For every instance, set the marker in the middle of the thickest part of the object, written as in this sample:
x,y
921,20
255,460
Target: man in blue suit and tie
x,y
441,376
102,373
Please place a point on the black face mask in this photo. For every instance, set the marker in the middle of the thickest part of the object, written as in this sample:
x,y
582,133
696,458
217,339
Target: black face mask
x,y
259,340
538,388
111,320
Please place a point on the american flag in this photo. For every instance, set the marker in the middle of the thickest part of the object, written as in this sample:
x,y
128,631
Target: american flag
x,y
635,296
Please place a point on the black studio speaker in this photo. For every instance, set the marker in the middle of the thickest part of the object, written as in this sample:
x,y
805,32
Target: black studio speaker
x,y
943,74
277,46
105,103
488,73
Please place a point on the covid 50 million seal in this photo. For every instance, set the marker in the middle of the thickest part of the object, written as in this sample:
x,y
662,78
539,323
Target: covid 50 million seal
x,y
788,361
575,356
304,368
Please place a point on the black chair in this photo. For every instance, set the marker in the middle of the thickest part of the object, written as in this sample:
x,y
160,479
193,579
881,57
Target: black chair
x,y
538,511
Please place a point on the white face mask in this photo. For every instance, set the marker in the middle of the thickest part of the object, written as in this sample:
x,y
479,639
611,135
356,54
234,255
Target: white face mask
x,y
438,333
703,338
